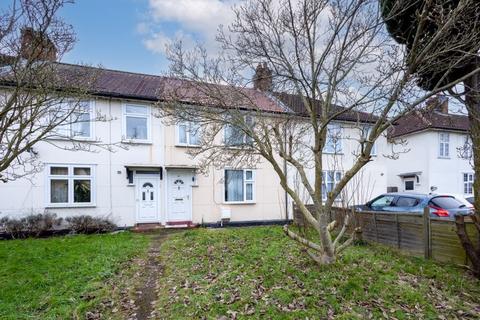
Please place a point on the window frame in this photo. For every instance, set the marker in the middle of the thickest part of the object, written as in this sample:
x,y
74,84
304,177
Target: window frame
x,y
246,181
335,182
441,145
147,116
66,105
246,140
468,183
70,177
366,130
189,125
338,146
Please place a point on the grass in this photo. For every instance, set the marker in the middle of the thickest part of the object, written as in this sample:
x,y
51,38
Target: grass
x,y
259,273
61,277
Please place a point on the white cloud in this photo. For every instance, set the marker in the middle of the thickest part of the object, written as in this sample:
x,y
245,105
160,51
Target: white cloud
x,y
194,20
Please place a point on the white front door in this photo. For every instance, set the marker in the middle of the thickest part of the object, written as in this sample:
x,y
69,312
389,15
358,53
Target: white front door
x,y
179,195
147,199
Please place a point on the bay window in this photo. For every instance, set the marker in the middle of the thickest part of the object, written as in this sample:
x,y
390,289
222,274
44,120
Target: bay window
x,y
70,185
239,186
137,123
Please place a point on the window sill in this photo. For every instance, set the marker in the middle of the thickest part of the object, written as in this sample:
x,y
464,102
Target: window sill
x,y
444,158
239,202
187,146
334,153
67,206
137,141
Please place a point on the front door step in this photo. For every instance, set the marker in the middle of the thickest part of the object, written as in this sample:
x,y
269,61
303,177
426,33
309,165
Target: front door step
x,y
180,224
146,227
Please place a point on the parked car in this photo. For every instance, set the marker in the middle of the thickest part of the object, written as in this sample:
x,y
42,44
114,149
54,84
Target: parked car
x,y
461,198
471,200
444,206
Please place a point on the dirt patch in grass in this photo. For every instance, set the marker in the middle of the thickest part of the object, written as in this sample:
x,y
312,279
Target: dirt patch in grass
x,y
148,292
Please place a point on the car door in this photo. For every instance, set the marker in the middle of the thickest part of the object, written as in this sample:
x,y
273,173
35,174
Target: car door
x,y
384,202
406,204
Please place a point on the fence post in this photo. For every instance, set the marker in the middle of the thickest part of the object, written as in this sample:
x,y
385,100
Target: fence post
x,y
398,231
375,223
426,232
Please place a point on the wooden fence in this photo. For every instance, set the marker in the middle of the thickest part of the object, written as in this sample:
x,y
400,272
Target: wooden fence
x,y
412,233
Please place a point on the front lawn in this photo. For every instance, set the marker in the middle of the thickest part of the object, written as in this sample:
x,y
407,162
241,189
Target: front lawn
x,y
259,273
62,277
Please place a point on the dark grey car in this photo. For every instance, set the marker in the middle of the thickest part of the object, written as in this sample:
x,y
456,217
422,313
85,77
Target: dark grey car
x,y
442,206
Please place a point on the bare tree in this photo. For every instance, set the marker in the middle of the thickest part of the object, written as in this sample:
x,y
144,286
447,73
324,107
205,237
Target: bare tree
x,y
317,62
39,101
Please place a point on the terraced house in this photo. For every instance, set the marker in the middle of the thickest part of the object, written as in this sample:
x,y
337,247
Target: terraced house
x,y
150,178
439,157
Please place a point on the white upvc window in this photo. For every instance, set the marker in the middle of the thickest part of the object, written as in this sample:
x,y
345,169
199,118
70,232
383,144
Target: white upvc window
x,y
235,137
136,123
79,124
70,185
443,145
333,144
239,186
188,133
366,130
330,178
468,179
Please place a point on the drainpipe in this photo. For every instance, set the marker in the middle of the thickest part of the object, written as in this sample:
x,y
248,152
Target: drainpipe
x,y
286,174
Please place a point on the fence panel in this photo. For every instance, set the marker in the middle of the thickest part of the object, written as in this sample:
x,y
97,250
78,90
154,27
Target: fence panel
x,y
412,233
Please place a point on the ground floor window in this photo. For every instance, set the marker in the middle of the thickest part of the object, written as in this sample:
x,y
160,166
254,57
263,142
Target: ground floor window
x,y
330,179
468,183
70,185
239,185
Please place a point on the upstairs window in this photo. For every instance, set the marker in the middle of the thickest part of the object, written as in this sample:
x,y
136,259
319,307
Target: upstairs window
x,y
333,144
444,145
329,181
136,123
70,185
188,134
468,179
235,136
239,186
366,130
77,124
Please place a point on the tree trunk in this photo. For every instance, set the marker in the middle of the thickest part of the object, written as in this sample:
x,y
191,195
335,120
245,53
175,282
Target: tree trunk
x,y
472,99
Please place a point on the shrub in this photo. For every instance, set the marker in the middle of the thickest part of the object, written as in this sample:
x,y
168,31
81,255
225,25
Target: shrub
x,y
32,225
88,224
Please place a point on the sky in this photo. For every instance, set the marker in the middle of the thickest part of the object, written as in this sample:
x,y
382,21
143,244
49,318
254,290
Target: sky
x,y
131,35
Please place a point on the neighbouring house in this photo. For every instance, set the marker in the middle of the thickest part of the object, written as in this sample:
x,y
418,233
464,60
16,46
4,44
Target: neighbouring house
x,y
439,151
150,177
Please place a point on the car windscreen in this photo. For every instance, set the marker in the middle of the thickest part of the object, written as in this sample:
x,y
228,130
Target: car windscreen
x,y
447,202
470,199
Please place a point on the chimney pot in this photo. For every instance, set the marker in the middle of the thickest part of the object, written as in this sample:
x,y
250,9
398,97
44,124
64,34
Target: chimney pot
x,y
36,45
438,103
263,80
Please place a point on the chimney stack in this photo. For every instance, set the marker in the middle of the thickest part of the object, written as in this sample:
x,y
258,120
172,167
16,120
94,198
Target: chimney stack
x,y
438,103
262,80
36,45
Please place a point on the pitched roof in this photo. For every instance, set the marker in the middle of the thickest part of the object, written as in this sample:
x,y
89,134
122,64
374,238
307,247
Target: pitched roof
x,y
129,85
429,120
153,88
296,104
